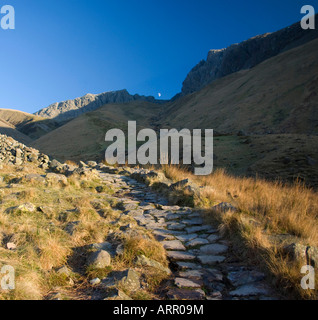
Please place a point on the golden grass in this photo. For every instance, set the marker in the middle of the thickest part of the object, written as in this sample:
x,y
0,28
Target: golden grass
x,y
150,248
44,242
264,209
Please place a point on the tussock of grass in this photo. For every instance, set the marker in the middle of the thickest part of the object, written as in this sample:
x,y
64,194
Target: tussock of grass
x,y
101,273
134,246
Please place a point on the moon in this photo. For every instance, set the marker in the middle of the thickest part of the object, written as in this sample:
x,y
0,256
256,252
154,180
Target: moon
x,y
159,94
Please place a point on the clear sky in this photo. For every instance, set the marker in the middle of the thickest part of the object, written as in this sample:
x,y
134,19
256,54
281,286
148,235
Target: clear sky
x,y
63,49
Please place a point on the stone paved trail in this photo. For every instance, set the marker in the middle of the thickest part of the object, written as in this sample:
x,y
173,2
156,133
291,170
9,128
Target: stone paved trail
x,y
201,263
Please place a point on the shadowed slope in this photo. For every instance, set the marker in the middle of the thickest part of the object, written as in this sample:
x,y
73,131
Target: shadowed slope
x,y
28,124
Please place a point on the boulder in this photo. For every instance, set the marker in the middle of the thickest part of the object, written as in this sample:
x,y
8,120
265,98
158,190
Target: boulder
x,y
99,259
146,262
54,178
128,279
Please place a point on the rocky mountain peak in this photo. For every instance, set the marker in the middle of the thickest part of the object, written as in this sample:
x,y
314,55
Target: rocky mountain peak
x,y
245,55
70,109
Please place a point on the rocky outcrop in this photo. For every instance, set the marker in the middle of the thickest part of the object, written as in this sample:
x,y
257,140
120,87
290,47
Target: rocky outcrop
x,y
71,109
245,55
15,153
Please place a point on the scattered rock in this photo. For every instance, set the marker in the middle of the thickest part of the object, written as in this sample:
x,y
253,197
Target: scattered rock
x,y
144,261
27,207
128,279
95,281
11,246
35,178
64,270
99,259
118,295
54,178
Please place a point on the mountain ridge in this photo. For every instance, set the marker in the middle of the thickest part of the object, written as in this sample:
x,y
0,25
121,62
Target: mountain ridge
x,y
70,109
245,55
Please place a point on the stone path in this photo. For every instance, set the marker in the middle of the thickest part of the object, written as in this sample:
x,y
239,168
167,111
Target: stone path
x,y
201,263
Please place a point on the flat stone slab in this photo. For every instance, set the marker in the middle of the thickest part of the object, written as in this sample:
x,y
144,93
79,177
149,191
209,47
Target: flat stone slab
x,y
191,274
130,206
187,237
188,265
213,249
154,212
212,275
239,278
194,229
197,242
176,232
179,255
172,216
209,259
172,208
185,294
134,213
186,283
173,245
193,222
176,226
160,236
213,237
250,290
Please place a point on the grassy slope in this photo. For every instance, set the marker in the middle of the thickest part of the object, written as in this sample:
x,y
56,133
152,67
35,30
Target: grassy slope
x,y
9,130
27,124
277,95
44,245
249,100
269,216
83,137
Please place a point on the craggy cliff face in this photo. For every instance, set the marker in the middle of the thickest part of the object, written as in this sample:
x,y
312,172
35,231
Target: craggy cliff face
x,y
245,55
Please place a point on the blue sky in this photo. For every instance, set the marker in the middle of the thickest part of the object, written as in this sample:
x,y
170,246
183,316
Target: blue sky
x,y
63,49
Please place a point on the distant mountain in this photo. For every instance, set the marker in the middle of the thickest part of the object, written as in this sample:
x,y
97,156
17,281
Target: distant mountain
x,y
86,133
70,109
245,55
